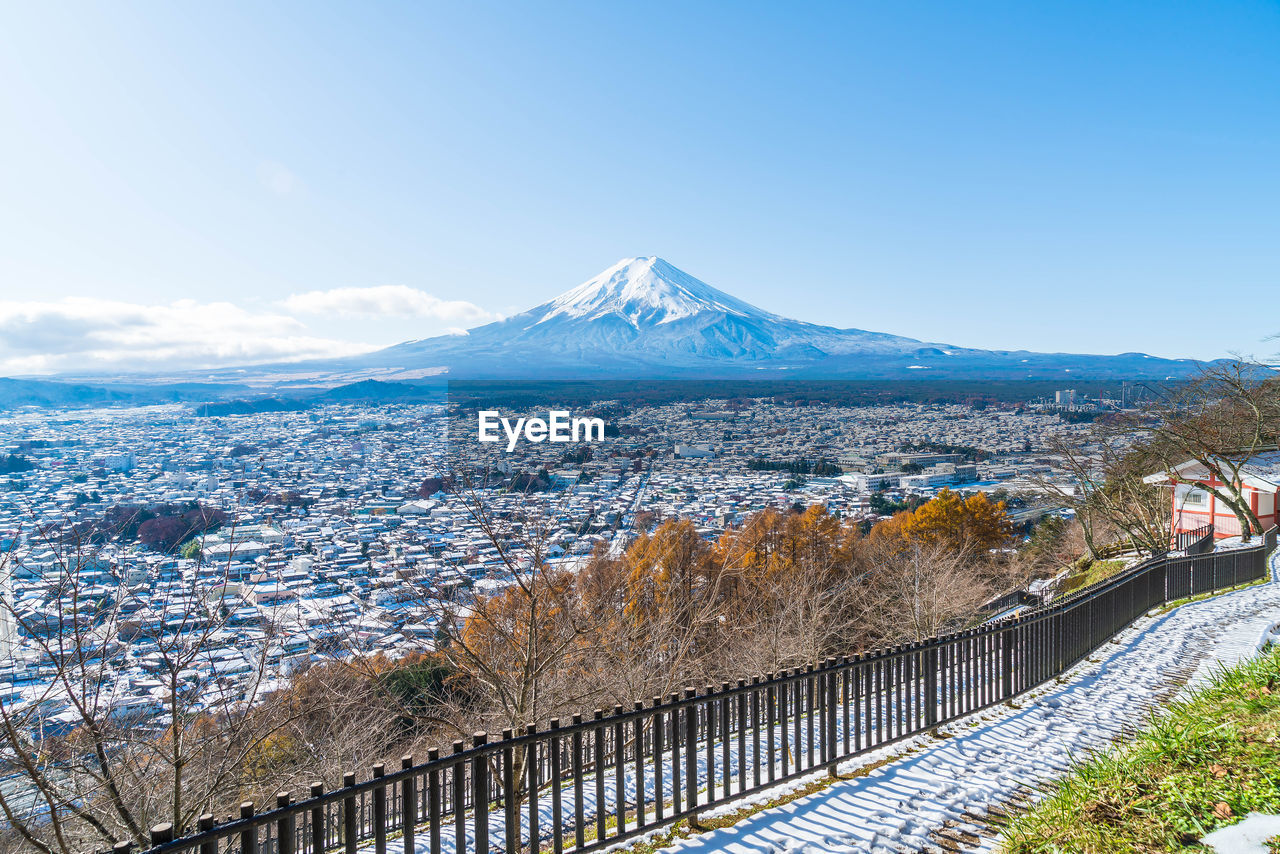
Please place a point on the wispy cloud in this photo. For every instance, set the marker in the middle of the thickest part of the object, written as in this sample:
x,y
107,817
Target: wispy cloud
x,y
77,333
388,301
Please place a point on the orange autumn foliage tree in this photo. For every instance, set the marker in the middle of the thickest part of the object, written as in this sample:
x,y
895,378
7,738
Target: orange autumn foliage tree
x,y
659,612
676,607
772,547
512,641
667,571
792,578
961,524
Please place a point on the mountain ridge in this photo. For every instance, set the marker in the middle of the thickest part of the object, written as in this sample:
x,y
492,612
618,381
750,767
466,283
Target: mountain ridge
x,y
645,318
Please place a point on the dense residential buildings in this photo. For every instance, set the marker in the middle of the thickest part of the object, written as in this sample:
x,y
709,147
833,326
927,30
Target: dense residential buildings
x,y
325,525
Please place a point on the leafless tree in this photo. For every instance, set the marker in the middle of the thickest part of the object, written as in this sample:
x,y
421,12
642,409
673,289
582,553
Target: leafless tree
x,y
1221,420
1109,494
920,589
104,770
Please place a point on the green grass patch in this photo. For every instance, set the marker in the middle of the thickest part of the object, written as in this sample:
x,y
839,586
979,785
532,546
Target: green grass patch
x,y
1203,763
1091,573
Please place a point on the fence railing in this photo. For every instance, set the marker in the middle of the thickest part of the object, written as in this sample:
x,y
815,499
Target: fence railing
x,y
594,781
1197,541
1009,600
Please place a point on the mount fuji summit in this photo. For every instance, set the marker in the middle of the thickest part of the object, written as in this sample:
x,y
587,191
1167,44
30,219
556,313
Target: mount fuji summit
x,y
645,318
642,316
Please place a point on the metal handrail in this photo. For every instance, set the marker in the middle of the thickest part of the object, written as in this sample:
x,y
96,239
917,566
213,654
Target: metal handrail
x,y
824,713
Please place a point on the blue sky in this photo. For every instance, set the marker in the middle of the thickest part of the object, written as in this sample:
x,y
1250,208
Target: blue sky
x,y
230,182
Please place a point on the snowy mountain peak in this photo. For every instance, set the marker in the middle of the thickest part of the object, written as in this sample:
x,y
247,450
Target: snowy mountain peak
x,y
645,291
645,318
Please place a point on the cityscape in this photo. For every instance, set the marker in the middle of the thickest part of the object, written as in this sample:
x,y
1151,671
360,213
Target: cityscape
x,y
312,537
694,428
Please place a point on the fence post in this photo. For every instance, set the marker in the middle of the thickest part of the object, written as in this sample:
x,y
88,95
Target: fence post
x,y
691,756
480,793
821,709
557,805
812,707
510,813
597,760
458,796
433,802
619,773
579,820
205,822
349,814
161,834
1008,638
248,836
531,770
317,822
770,713
931,684
829,738
709,738
637,761
659,723
285,826
740,713
408,803
379,810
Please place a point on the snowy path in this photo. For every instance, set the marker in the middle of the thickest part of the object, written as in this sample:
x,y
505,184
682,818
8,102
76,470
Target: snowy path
x,y
934,798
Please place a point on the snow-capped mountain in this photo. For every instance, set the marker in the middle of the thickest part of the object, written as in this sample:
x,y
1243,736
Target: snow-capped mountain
x,y
643,307
643,314
644,291
645,317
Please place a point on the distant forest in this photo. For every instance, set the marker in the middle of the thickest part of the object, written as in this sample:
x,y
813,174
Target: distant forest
x,y
817,468
11,463
478,394
224,399
970,453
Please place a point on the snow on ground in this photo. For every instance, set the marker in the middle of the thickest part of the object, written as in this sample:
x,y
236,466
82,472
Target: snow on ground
x,y
1004,753
992,755
1235,542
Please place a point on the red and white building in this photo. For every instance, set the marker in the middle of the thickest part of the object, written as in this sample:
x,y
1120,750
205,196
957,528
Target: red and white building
x,y
1194,505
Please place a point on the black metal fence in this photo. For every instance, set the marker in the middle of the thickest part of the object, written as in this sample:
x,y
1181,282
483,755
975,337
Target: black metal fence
x,y
1013,599
592,782
1198,541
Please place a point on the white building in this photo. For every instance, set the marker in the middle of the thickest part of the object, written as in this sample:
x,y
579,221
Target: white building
x,y
942,474
119,462
416,508
8,625
864,482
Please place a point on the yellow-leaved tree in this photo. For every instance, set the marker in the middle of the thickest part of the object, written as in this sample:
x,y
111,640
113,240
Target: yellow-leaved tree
x,y
973,524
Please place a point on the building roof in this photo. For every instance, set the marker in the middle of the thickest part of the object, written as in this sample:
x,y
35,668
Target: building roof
x,y
1261,471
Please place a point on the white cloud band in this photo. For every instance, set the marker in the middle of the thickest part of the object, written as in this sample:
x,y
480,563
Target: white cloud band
x,y
77,333
388,301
